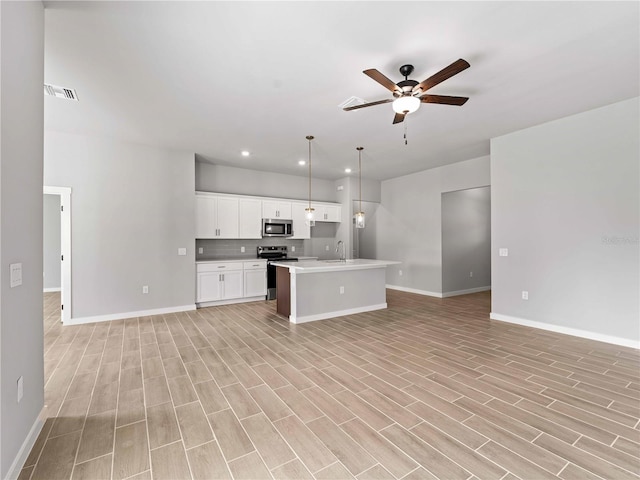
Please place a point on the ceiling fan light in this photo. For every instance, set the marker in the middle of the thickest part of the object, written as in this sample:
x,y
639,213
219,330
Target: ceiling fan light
x,y
406,104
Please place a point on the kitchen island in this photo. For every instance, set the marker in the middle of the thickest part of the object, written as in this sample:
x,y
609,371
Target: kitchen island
x,y
315,290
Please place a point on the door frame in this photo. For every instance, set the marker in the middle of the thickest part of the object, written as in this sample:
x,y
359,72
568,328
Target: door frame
x,y
65,247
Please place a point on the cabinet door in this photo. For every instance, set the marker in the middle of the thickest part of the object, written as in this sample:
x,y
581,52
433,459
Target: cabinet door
x,y
328,213
250,218
255,283
232,284
276,209
227,213
300,230
332,213
206,216
208,286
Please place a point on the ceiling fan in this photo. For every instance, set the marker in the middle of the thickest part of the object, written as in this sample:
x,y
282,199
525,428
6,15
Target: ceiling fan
x,y
409,94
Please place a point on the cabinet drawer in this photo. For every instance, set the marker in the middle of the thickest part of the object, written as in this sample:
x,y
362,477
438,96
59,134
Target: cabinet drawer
x,y
218,267
255,265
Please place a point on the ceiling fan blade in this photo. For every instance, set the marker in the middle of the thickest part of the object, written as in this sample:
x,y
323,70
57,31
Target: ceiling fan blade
x,y
370,104
398,118
444,99
447,72
381,79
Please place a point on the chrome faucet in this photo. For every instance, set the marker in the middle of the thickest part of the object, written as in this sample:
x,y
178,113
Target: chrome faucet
x,y
342,251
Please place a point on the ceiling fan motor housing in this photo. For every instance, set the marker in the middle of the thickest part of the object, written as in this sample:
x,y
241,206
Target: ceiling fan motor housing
x,y
405,88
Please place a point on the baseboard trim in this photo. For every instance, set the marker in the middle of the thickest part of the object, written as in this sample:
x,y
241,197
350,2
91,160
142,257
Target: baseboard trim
x,y
51,290
576,332
27,445
455,293
121,316
231,301
337,313
414,290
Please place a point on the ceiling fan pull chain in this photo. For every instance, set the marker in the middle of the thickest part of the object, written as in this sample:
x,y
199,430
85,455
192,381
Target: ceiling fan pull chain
x,y
405,131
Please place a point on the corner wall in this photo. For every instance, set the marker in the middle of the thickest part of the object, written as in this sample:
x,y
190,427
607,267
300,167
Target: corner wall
x,y
409,226
565,202
21,326
132,207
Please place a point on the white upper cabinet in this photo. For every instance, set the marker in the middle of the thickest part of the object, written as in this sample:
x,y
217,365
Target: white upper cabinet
x,y
216,216
240,217
206,213
300,230
327,213
250,218
276,209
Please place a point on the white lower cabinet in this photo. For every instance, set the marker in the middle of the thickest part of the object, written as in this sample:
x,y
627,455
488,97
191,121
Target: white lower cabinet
x,y
255,279
228,282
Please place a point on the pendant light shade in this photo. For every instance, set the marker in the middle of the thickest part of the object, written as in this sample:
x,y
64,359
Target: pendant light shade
x,y
308,216
360,214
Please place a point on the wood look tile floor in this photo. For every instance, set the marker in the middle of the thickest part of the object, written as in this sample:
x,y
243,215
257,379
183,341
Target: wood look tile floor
x,y
429,388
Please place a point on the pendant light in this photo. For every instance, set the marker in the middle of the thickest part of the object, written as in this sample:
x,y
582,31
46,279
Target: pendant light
x,y
360,214
308,217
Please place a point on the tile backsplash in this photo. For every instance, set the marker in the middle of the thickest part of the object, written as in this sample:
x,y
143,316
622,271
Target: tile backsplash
x,y
230,248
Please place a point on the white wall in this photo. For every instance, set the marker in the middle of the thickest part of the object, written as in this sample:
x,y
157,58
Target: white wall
x,y
466,240
242,181
408,222
21,328
565,202
51,268
132,208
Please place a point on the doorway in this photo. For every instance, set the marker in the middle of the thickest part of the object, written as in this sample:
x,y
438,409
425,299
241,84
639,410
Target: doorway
x,y
59,197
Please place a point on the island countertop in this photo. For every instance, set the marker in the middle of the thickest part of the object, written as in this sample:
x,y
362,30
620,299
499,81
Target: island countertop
x,y
318,266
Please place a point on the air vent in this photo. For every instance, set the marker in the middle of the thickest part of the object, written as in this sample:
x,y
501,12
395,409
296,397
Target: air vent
x,y
350,102
60,92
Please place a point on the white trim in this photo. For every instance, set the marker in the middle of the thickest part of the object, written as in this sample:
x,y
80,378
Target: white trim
x,y
465,292
414,290
121,316
625,342
50,290
27,445
65,246
231,301
337,313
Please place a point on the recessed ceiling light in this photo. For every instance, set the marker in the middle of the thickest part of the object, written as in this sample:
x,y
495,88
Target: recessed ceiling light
x,y
245,153
301,162
347,170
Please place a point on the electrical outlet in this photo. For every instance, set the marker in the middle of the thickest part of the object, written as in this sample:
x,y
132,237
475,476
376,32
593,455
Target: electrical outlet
x,y
470,274
525,295
503,252
326,247
241,249
200,250
16,274
20,388
400,272
293,248
182,251
341,290
145,289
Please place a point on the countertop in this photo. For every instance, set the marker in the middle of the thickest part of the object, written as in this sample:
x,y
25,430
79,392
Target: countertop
x,y
317,266
245,259
228,259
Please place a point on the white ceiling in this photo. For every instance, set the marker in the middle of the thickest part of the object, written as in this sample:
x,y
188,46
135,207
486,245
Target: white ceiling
x,y
215,78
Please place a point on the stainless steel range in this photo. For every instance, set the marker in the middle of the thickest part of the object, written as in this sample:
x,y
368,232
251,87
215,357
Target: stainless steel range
x,y
274,254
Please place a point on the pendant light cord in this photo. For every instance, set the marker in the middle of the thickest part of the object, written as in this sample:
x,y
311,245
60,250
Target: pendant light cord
x,y
309,137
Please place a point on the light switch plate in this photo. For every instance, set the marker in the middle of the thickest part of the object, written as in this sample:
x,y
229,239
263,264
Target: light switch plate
x,y
182,251
504,252
16,274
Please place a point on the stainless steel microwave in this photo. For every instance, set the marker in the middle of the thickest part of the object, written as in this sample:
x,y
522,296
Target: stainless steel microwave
x,y
275,227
